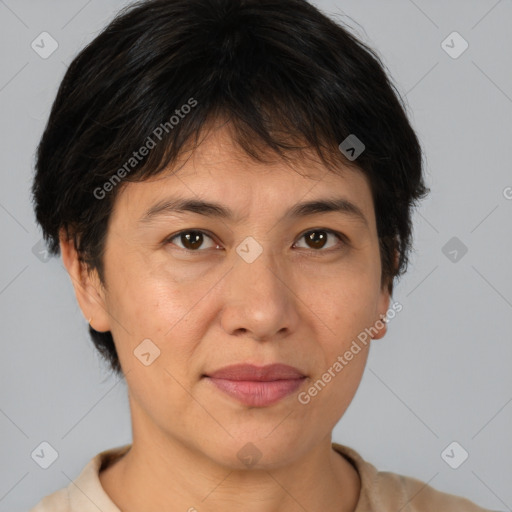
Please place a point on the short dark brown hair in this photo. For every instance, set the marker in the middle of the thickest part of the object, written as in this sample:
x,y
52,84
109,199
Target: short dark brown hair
x,y
286,77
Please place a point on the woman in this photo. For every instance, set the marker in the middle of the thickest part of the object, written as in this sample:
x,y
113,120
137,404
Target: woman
x,y
230,186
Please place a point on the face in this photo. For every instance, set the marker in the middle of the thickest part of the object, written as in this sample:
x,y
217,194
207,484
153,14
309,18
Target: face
x,y
260,286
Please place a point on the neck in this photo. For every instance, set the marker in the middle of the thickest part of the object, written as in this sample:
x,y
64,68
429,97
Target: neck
x,y
165,478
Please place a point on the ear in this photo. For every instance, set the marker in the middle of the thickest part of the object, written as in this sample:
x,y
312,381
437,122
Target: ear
x,y
383,306
379,323
89,290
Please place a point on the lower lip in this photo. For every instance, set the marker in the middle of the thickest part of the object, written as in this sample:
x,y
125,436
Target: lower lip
x,y
257,394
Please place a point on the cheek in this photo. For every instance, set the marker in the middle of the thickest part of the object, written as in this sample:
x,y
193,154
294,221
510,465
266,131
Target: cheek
x,y
141,294
152,303
345,383
333,388
344,310
159,393
346,302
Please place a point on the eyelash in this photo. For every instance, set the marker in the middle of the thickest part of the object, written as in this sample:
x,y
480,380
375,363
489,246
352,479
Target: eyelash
x,y
343,240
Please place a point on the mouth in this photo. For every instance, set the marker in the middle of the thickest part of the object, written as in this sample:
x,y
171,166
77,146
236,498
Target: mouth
x,y
257,386
250,372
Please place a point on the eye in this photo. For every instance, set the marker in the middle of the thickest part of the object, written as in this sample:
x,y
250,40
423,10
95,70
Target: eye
x,y
317,238
191,240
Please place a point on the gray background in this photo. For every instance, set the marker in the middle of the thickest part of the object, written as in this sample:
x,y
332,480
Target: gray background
x,y
441,374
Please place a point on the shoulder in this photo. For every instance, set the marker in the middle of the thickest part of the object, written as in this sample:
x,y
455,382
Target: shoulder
x,y
84,493
420,496
58,501
385,491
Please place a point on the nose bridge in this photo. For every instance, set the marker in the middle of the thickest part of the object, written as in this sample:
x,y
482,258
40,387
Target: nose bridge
x,y
257,300
258,268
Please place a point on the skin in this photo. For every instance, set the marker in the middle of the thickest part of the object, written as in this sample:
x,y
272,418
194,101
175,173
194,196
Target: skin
x,y
294,304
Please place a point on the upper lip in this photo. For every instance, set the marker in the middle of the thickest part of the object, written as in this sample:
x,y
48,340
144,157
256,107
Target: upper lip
x,y
250,372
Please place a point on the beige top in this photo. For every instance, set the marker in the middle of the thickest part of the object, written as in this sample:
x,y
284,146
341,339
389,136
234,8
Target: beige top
x,y
381,491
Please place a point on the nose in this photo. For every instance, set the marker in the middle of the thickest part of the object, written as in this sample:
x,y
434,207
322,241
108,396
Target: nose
x,y
259,299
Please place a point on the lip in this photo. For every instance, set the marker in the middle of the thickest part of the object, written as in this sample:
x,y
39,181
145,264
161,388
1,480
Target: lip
x,y
257,386
270,372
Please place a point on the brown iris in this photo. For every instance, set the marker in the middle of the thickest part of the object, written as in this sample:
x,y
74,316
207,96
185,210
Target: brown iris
x,y
316,239
192,239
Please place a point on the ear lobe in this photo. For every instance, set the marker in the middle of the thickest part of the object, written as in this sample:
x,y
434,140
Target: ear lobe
x,y
89,291
384,301
380,324
382,327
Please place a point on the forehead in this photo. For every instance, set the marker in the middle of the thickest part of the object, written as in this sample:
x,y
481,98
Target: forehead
x,y
218,169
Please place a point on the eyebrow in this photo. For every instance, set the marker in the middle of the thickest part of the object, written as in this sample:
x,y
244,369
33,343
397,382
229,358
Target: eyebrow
x,y
211,209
